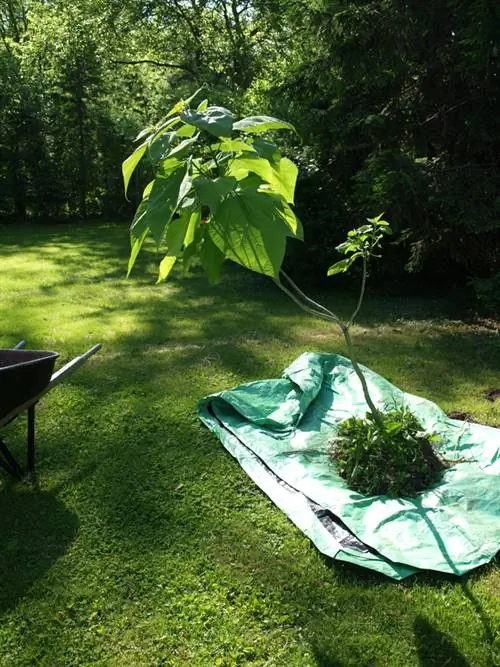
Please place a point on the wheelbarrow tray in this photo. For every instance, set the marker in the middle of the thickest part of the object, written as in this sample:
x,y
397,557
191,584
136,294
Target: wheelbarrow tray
x,y
24,374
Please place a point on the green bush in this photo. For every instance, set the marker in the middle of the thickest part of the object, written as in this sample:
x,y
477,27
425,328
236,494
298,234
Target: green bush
x,y
488,293
396,460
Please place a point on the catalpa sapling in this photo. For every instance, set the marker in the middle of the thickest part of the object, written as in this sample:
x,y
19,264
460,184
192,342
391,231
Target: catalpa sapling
x,y
222,190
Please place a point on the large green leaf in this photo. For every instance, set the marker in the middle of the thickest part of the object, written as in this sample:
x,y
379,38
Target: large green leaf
x,y
193,238
259,124
168,166
281,175
211,192
183,149
215,120
289,217
234,146
161,146
266,149
175,235
284,178
240,167
136,241
343,265
248,230
131,163
156,211
194,221
211,259
185,188
185,131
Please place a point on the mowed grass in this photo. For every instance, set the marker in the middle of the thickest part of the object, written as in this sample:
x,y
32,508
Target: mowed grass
x,y
143,542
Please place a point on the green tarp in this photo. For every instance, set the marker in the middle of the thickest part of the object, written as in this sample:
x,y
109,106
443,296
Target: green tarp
x,y
279,431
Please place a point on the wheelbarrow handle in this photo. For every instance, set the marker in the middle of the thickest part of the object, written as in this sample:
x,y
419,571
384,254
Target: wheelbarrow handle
x,y
73,365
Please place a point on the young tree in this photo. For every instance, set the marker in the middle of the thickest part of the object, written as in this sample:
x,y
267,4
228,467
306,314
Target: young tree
x,y
223,191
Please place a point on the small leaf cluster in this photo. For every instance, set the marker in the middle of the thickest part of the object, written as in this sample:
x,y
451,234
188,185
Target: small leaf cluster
x,y
396,458
361,243
222,190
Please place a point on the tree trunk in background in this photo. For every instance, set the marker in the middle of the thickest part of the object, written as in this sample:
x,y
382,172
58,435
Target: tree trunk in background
x,y
82,165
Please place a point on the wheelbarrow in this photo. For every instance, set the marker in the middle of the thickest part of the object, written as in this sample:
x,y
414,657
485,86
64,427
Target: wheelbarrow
x,y
25,376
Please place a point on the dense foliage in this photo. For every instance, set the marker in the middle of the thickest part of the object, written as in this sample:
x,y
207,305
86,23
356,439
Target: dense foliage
x,y
395,458
395,104
221,190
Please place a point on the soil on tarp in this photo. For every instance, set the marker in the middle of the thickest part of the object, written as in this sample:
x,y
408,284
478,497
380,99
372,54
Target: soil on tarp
x,y
461,416
435,466
492,394
466,417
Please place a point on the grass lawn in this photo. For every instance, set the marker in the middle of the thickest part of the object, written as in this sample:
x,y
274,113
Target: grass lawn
x,y
143,542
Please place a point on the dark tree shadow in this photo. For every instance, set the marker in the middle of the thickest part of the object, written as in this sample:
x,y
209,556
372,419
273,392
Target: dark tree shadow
x,y
35,530
324,660
434,648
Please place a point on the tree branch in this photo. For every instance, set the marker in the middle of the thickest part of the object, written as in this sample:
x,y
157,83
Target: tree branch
x,y
361,293
313,305
147,61
443,112
311,310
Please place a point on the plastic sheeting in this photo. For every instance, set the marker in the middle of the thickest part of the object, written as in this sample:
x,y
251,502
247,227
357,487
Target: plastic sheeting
x,y
279,431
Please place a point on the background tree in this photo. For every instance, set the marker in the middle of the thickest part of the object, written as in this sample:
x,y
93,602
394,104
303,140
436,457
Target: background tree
x,y
395,101
396,104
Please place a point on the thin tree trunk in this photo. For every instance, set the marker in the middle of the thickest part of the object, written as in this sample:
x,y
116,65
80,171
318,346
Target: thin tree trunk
x,y
366,393
82,167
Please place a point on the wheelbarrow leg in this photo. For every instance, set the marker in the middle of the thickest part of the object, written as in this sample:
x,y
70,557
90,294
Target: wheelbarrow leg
x,y
31,439
9,463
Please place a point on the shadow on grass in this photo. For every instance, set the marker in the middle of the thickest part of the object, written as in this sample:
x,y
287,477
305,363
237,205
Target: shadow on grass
x,y
433,366
96,252
481,615
324,660
36,530
434,648
244,305
155,481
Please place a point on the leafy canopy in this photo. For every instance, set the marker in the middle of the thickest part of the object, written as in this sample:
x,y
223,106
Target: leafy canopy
x,y
361,243
221,190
